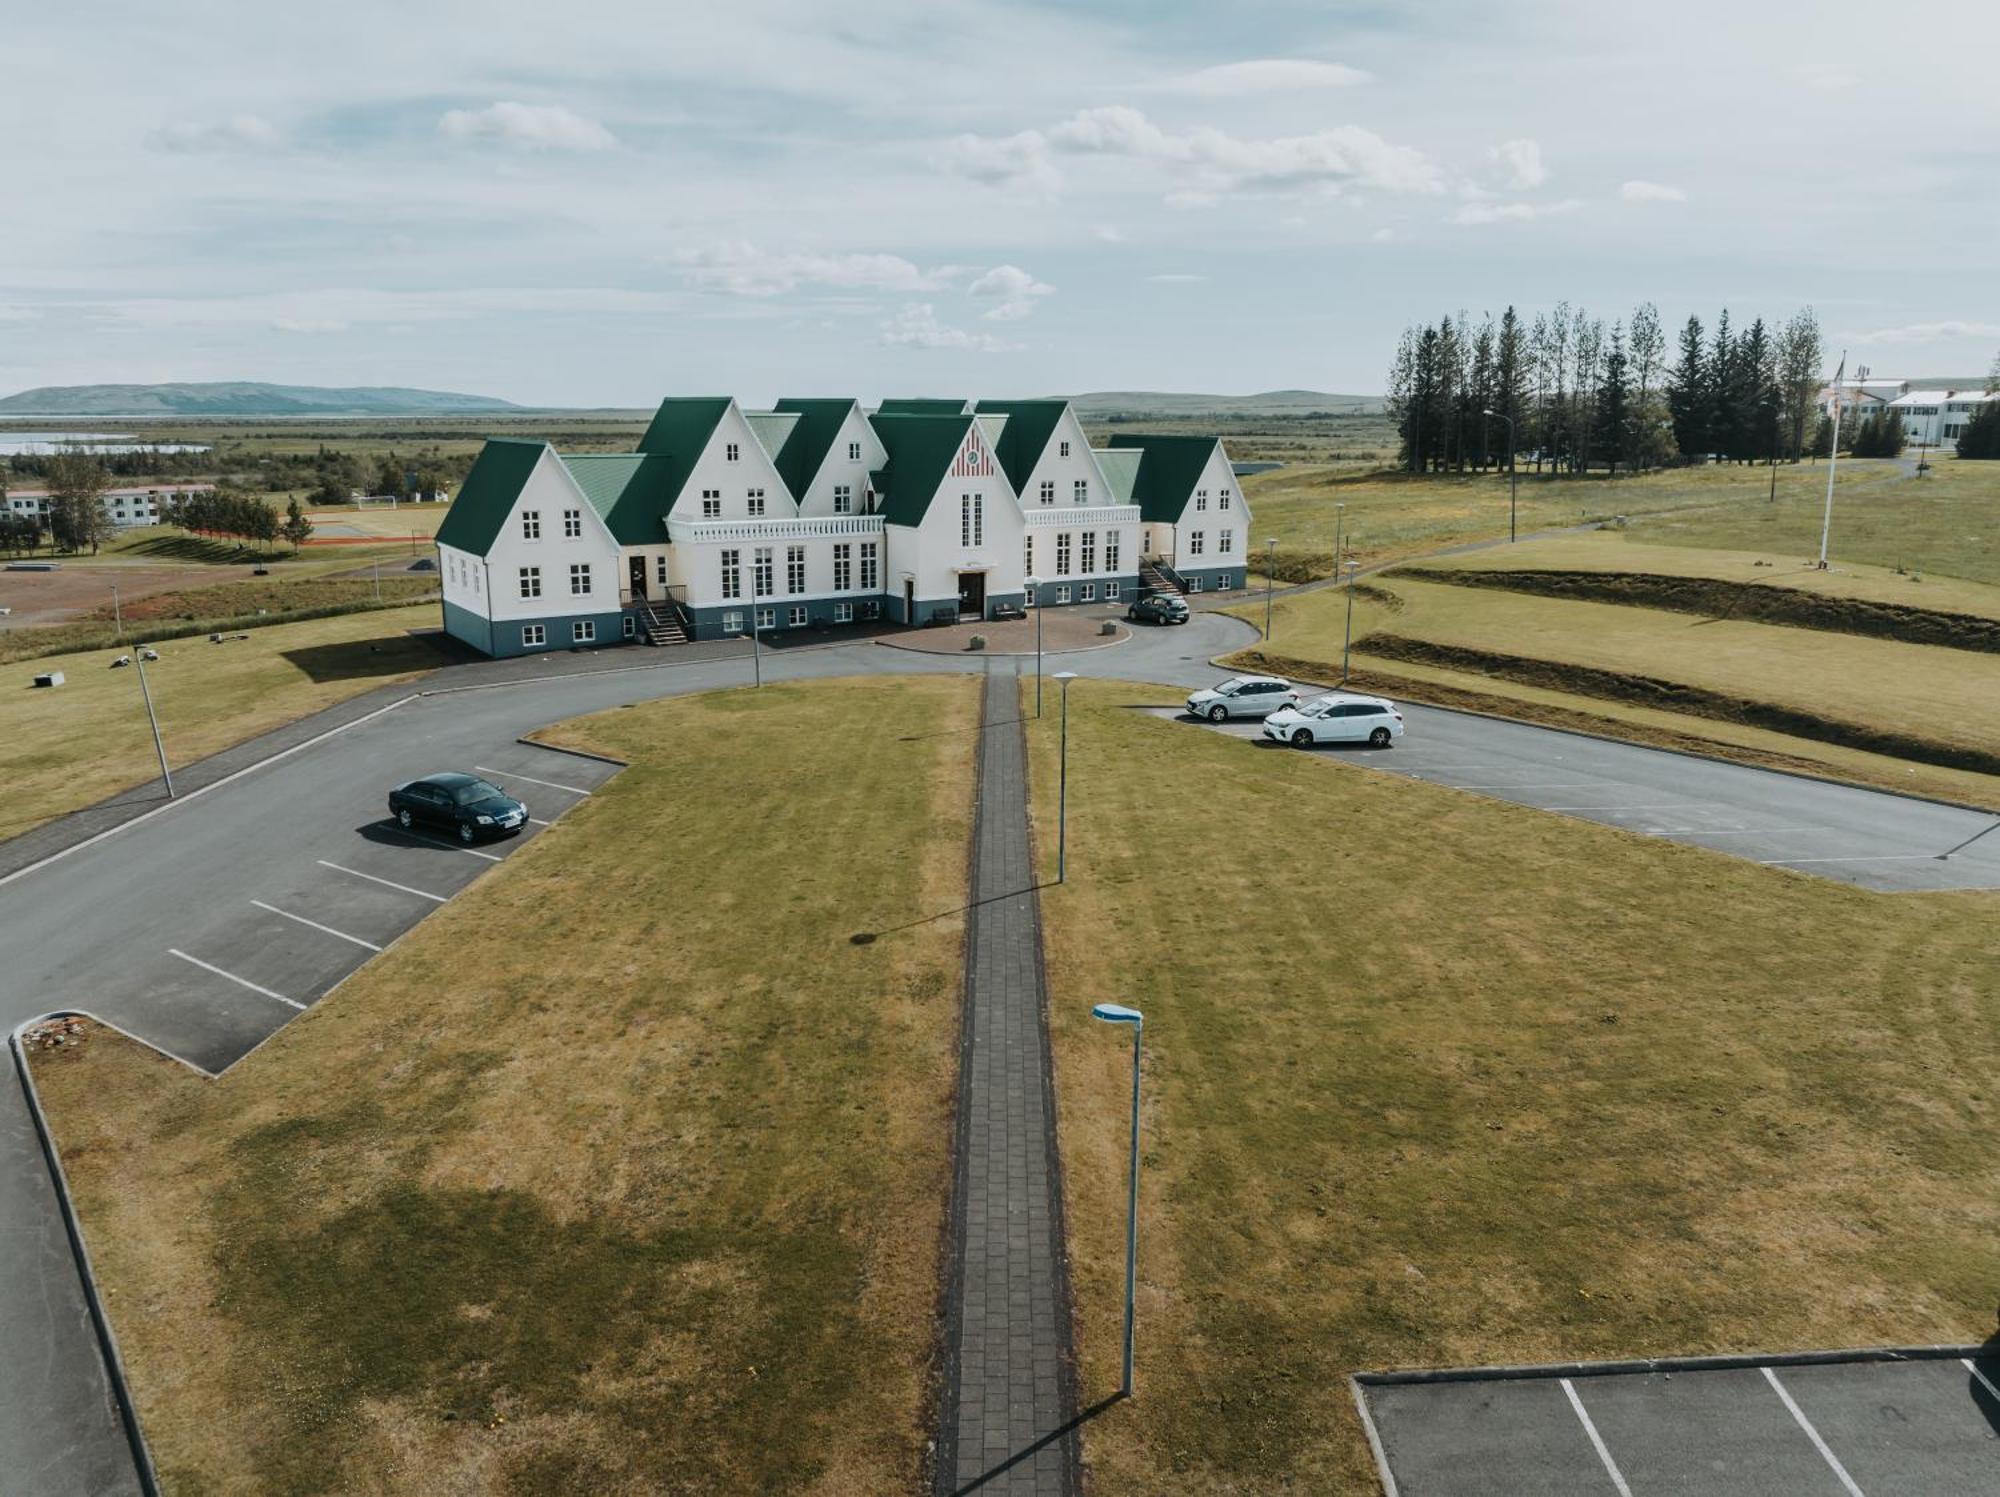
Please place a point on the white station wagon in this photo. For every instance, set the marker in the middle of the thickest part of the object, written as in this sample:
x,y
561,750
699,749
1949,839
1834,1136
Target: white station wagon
x,y
1337,717
1243,696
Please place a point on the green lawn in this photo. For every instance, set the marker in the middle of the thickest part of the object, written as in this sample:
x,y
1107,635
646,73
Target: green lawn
x,y
1439,1080
1391,515
74,745
626,1172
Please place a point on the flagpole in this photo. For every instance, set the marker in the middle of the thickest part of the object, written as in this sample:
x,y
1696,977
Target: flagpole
x,y
1832,461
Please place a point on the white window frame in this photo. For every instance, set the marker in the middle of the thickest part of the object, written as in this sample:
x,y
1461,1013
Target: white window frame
x,y
1048,491
1201,501
1089,593
763,571
731,561
1197,542
795,570
797,616
854,452
753,503
767,618
732,621
1062,553
870,566
843,566
971,520
1079,492
1064,449
711,504
531,524
1222,499
843,613
1087,552
1062,592
1111,539
631,627
579,579
534,636
843,498
1194,584
531,582
583,632
1225,542
572,524
660,570
1111,591
731,451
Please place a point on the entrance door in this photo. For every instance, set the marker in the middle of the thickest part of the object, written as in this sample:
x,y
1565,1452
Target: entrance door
x,y
971,595
638,574
909,601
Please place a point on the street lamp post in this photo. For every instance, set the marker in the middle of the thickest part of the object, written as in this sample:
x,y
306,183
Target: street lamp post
x,y
756,645
1513,478
1034,586
1117,1013
1062,784
117,616
1270,568
1347,644
160,748
1339,533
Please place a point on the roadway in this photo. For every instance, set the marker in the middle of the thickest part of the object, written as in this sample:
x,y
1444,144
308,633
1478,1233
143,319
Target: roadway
x,y
204,928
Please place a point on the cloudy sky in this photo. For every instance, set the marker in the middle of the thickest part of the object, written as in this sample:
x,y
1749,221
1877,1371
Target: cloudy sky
x,y
606,201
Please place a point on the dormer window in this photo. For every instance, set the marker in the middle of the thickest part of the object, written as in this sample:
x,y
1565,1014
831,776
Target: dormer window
x,y
731,451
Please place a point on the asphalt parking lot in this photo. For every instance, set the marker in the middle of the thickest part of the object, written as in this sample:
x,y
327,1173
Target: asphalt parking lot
x,y
1849,1425
1879,841
229,973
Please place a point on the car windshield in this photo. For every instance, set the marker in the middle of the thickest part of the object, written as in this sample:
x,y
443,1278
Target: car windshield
x,y
473,791
1319,709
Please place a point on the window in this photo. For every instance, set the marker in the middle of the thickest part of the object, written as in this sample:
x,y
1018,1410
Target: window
x,y
1048,491
572,524
1062,593
1090,592
631,627
579,579
531,524
1028,555
1195,542
531,582
1089,557
871,609
854,452
767,618
1225,542
843,566
869,580
1200,501
1062,553
1110,553
1222,499
796,615
711,504
1194,584
732,574
843,498
660,570
1111,592
971,520
755,502
532,635
1065,449
1079,492
1222,583
760,571
582,632
732,621
731,451
795,569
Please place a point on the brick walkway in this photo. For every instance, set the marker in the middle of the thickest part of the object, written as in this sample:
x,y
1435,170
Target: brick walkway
x,y
1009,1392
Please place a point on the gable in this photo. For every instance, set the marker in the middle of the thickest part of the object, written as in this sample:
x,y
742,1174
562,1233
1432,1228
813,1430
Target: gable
x,y
628,491
812,436
1169,469
487,496
679,434
1031,426
925,450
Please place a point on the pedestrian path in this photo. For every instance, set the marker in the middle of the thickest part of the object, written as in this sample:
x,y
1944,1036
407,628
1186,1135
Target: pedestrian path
x,y
1009,1395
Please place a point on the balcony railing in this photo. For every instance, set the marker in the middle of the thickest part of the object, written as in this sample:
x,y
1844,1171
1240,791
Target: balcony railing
x,y
714,532
1075,516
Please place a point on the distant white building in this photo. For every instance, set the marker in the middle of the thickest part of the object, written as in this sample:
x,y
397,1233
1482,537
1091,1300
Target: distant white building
x,y
125,508
1937,418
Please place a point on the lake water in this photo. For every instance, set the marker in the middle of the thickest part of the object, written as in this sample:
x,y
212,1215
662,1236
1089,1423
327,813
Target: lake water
x,y
39,442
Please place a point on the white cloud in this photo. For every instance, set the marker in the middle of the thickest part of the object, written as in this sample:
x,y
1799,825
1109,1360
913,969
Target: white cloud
x,y
1383,236
1651,192
317,310
1018,161
527,127
1176,278
309,325
1217,161
1108,233
1826,77
240,132
1519,164
1013,291
1927,332
1481,211
917,326
1265,75
746,270
17,313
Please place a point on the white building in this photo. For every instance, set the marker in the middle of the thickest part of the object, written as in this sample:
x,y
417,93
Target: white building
x,y
125,508
1937,418
817,512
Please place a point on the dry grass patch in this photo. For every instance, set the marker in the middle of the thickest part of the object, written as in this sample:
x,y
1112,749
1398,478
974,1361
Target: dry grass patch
x,y
625,1172
1438,1080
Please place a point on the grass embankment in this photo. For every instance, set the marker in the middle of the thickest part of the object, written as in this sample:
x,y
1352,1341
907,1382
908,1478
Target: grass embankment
x,y
78,743
1391,515
631,1147
1916,717
1628,1099
1946,523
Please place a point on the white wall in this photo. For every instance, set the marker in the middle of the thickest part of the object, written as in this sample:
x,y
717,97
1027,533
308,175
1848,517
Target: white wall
x,y
932,551
699,557
1066,472
752,469
838,468
1225,510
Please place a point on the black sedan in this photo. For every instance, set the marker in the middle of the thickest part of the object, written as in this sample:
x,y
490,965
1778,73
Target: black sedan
x,y
462,804
1158,608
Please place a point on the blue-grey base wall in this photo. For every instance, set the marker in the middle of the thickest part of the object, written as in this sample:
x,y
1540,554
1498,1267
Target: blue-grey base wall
x,y
470,628
501,638
1128,589
1214,579
712,623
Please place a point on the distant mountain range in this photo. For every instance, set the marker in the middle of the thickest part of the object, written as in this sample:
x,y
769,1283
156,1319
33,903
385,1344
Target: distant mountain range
x,y
247,398
1102,403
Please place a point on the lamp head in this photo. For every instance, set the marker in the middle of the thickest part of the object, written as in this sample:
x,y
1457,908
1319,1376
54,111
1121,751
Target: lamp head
x,y
1116,1013
1065,676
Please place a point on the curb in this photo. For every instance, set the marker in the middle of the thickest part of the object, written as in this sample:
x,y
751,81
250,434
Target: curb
x,y
107,1340
574,753
1727,1362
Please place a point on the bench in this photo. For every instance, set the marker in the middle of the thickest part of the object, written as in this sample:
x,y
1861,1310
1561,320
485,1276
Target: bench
x,y
1009,611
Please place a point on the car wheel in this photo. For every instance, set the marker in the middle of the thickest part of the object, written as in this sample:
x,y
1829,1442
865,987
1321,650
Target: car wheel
x,y
465,832
1302,738
1379,738
404,818
1217,713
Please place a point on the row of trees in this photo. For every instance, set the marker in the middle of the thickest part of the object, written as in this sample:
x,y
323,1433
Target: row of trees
x,y
1579,394
238,514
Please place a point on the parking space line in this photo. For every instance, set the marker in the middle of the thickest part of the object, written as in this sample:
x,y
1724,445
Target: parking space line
x,y
1597,1441
513,775
1813,1434
1880,857
241,982
1984,1381
387,883
470,852
537,821
315,925
1758,831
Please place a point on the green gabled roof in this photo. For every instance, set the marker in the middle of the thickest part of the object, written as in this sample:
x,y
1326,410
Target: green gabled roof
x,y
1030,425
921,407
487,496
1120,468
804,452
920,449
771,429
1168,472
629,490
679,432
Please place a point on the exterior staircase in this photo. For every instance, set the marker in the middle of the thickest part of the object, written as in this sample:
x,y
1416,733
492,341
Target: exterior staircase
x,y
1156,578
659,624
